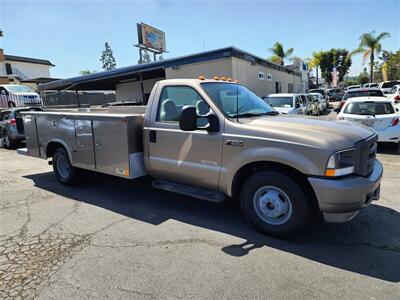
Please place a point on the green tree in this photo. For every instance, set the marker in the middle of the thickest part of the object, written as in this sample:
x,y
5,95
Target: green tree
x,y
393,65
335,58
370,45
279,55
107,58
87,72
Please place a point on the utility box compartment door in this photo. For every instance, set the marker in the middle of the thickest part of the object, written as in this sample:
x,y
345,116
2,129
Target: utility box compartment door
x,y
83,156
111,146
31,136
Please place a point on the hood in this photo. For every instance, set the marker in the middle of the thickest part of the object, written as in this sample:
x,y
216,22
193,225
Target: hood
x,y
25,94
332,135
284,110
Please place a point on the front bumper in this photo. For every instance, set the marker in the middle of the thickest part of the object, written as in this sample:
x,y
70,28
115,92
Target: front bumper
x,y
341,199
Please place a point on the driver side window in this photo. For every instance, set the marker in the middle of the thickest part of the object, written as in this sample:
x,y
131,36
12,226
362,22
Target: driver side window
x,y
174,98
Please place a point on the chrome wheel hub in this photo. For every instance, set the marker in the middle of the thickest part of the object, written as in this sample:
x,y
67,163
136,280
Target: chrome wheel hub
x,y
272,205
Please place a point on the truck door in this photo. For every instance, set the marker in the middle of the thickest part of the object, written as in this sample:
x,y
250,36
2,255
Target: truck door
x,y
192,157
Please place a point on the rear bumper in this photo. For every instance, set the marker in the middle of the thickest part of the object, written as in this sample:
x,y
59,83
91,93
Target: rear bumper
x,y
341,199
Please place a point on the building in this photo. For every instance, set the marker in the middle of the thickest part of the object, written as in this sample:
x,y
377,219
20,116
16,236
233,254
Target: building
x,y
135,83
24,70
301,67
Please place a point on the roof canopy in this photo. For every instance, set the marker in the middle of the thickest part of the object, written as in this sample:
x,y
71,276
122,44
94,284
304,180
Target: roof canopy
x,y
107,80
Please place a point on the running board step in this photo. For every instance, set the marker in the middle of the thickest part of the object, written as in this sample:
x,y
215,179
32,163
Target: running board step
x,y
189,190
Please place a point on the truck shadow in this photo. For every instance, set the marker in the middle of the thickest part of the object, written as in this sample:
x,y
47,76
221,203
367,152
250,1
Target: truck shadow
x,y
368,245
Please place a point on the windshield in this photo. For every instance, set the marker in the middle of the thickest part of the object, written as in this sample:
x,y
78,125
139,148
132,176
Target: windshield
x,y
280,101
375,93
369,108
15,88
389,84
227,95
322,92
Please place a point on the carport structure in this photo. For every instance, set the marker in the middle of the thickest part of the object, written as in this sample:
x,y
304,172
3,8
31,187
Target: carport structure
x,y
134,83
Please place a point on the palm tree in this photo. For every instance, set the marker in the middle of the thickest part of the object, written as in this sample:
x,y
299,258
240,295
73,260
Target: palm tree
x,y
370,44
315,62
279,55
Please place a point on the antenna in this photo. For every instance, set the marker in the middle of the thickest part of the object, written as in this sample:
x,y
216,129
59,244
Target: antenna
x,y
237,94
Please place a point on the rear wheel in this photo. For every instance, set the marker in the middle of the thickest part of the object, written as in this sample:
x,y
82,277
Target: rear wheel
x,y
275,204
8,141
63,170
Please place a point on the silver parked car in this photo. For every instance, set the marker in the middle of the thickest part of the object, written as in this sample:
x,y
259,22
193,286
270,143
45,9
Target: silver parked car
x,y
292,104
12,125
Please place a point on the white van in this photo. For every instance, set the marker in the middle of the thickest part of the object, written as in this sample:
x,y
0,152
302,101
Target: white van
x,y
12,95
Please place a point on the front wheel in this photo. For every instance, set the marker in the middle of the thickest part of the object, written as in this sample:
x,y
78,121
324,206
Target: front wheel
x,y
275,204
63,170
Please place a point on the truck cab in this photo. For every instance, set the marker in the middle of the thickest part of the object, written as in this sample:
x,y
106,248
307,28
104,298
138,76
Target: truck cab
x,y
217,140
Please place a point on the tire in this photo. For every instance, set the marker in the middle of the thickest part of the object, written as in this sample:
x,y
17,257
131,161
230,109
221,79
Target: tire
x,y
9,143
63,170
285,213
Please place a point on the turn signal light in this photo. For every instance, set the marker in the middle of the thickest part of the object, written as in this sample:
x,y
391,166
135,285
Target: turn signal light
x,y
330,172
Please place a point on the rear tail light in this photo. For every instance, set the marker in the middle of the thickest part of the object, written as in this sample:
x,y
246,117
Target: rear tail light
x,y
395,121
397,97
12,122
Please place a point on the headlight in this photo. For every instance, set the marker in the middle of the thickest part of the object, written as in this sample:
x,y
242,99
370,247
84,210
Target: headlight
x,y
340,163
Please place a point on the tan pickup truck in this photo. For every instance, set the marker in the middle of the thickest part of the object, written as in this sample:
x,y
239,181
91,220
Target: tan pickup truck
x,y
216,140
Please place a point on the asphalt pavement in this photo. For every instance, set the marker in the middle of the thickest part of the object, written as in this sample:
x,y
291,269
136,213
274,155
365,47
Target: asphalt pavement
x,y
120,239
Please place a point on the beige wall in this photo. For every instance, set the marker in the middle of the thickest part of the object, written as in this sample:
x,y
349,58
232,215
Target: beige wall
x,y
31,70
131,91
228,67
247,74
218,67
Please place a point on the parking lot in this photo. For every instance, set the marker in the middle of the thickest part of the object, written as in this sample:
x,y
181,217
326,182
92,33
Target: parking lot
x,y
114,238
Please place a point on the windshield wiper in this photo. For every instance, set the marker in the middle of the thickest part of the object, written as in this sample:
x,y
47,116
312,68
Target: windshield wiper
x,y
249,115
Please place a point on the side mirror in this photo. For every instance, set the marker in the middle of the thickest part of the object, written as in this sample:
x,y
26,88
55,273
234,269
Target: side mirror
x,y
189,117
397,110
3,92
297,105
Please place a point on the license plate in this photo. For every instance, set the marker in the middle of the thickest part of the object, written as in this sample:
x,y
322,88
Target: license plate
x,y
368,123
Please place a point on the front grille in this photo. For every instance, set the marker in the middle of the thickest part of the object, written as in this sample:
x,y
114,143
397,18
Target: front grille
x,y
365,156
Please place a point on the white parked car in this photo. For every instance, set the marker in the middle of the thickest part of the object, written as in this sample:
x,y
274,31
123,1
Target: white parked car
x,y
350,87
371,85
293,104
394,95
375,112
323,104
386,86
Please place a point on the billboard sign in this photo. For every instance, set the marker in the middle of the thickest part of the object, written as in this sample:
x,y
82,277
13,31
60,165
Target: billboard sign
x,y
151,38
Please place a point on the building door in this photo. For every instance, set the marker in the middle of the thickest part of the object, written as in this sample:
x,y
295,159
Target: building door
x,y
278,87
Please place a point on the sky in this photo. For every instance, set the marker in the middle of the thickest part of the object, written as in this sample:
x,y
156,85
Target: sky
x,y
71,34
